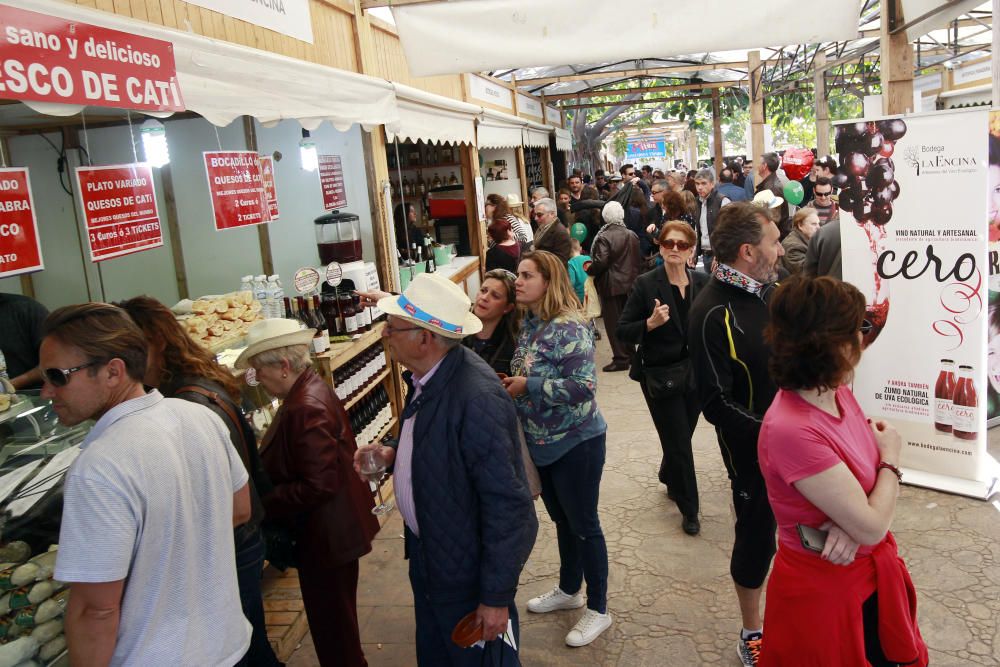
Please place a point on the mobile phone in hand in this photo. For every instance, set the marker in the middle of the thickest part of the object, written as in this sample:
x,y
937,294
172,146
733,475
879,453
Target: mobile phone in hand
x,y
812,539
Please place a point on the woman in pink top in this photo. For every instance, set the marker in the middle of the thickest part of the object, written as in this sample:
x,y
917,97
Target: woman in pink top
x,y
828,467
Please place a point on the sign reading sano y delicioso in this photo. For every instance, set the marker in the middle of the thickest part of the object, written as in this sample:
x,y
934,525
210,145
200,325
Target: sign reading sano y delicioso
x,y
48,59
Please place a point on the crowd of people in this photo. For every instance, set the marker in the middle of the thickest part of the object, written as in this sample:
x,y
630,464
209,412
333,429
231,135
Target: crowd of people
x,y
717,300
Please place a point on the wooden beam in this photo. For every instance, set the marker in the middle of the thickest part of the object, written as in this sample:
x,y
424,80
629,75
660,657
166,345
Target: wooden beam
x,y
896,61
718,150
822,108
626,74
636,103
372,4
263,231
651,89
473,213
174,230
756,108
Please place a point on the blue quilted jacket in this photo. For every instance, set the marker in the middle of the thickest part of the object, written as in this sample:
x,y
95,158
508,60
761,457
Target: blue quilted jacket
x,y
476,516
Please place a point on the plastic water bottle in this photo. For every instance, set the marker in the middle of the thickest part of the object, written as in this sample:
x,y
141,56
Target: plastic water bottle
x,y
260,289
275,297
3,368
246,284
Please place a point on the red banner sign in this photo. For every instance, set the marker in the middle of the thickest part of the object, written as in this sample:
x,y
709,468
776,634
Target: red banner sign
x,y
270,189
48,59
331,180
119,205
236,186
20,251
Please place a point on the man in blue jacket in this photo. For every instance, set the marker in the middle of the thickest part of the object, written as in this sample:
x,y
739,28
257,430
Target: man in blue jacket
x,y
458,477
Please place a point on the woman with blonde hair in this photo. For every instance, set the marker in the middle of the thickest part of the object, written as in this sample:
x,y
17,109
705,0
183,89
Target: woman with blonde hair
x,y
553,384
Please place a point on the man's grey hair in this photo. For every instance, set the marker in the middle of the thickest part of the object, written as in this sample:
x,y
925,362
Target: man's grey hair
x,y
771,161
661,183
546,204
446,342
539,192
705,175
297,357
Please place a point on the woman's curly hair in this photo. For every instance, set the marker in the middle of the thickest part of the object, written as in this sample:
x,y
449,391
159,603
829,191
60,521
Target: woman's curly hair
x,y
813,332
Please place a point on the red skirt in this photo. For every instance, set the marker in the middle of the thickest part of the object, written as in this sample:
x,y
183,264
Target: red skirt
x,y
813,612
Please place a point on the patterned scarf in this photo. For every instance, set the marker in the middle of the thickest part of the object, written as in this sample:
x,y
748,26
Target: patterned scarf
x,y
730,276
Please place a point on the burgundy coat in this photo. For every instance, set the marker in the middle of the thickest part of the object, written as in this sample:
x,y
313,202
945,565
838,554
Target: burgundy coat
x,y
309,455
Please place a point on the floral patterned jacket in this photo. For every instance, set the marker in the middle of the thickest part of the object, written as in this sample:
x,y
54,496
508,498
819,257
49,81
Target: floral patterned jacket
x,y
559,409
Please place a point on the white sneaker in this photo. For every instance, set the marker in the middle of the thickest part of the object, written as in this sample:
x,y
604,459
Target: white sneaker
x,y
588,628
555,600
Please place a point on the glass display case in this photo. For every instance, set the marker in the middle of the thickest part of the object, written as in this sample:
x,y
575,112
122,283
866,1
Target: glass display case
x,y
35,452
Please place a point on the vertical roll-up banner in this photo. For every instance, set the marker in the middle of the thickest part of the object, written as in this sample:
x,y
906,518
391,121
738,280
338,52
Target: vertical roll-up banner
x,y
914,242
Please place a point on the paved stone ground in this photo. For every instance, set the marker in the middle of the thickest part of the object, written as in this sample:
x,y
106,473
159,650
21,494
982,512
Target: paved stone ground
x,y
670,594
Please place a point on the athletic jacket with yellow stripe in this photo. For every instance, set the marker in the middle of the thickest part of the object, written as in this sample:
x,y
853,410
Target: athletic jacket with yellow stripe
x,y
729,358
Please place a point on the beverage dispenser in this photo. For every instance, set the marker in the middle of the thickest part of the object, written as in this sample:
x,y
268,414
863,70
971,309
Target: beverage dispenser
x,y
338,237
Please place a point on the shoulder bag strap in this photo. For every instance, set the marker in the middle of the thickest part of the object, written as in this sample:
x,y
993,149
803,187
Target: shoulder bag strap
x,y
226,408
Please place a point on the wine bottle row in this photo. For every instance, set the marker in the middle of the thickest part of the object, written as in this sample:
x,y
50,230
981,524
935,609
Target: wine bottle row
x,y
307,310
355,377
370,416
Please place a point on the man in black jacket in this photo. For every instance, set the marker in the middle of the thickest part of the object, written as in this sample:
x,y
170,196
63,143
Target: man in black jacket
x,y
710,202
458,477
729,358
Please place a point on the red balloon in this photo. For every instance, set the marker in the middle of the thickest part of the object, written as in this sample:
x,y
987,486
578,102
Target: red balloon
x,y
797,163
887,149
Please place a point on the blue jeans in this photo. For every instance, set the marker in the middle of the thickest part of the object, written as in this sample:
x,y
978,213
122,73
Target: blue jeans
x,y
570,489
436,620
249,566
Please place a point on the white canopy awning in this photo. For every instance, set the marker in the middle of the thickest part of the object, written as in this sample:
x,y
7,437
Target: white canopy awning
x,y
537,33
537,135
432,118
500,130
564,140
223,81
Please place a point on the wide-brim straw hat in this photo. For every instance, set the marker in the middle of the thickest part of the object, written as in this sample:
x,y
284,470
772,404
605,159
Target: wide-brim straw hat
x,y
514,200
767,199
436,304
271,334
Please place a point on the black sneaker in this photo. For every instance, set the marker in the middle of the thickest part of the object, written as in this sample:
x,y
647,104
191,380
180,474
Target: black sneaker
x,y
749,649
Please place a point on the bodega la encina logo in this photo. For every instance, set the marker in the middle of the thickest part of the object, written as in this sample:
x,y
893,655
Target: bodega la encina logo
x,y
936,159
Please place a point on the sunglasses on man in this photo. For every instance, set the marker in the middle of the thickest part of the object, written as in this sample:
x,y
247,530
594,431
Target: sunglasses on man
x,y
59,377
822,194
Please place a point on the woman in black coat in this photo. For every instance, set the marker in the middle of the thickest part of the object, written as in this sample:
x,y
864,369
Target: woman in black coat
x,y
655,319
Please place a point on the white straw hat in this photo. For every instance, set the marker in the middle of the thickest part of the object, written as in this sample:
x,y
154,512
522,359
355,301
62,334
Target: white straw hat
x,y
767,199
514,200
271,334
436,304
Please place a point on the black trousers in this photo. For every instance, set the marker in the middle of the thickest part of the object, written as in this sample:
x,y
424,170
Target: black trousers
x,y
675,419
611,311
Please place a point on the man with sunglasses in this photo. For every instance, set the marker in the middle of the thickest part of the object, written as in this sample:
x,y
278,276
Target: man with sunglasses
x,y
146,541
826,208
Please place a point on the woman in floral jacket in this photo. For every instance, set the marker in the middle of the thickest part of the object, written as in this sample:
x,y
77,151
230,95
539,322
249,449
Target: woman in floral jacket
x,y
553,386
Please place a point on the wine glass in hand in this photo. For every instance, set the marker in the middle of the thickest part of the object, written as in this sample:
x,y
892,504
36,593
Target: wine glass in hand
x,y
373,469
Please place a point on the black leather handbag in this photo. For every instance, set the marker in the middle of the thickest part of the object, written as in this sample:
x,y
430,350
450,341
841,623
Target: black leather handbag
x,y
668,381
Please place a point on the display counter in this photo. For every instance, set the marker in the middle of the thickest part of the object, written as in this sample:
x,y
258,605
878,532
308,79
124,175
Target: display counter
x,y
35,452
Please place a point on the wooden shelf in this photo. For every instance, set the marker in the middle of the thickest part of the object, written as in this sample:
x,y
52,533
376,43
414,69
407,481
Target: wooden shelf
x,y
384,432
368,388
340,353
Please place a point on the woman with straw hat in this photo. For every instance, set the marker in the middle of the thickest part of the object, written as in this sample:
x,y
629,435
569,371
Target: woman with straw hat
x,y
308,453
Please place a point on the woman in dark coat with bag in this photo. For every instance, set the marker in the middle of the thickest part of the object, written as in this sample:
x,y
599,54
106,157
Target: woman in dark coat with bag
x,y
655,319
308,453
